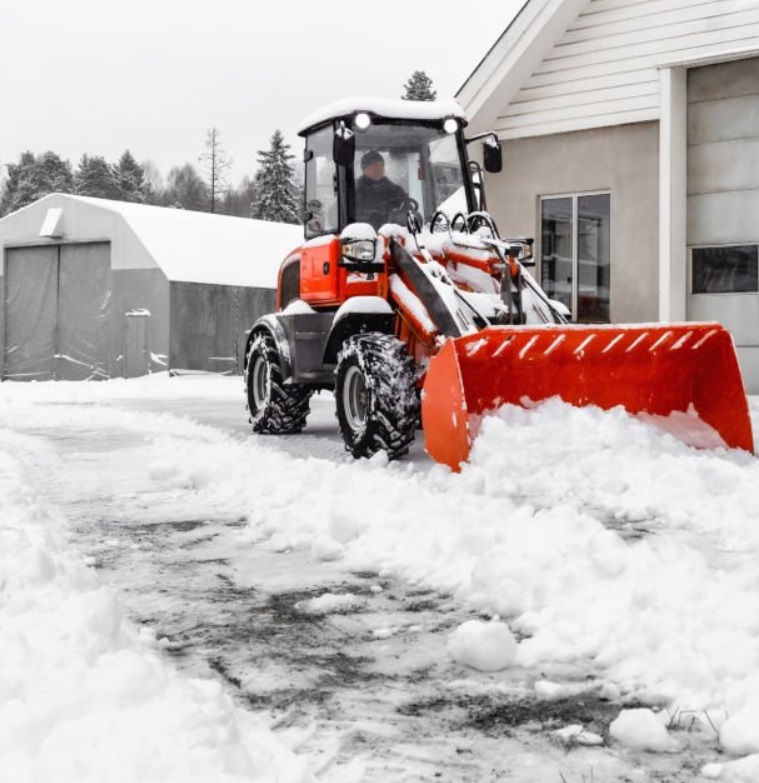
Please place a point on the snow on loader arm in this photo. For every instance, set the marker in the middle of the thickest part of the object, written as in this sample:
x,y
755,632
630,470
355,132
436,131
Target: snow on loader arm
x,y
685,377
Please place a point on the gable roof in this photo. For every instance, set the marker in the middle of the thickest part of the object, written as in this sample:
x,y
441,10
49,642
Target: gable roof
x,y
512,59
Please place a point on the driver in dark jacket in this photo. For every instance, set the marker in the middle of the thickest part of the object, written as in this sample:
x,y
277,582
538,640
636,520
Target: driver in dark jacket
x,y
376,195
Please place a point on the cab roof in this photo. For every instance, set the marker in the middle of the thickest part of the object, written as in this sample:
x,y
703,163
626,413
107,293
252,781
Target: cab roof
x,y
387,108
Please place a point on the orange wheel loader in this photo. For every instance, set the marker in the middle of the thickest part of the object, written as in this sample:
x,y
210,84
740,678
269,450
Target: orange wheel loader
x,y
406,302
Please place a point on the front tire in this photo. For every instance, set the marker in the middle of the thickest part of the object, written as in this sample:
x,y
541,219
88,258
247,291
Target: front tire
x,y
376,396
273,406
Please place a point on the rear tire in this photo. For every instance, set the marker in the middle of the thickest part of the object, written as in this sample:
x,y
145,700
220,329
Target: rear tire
x,y
274,407
376,395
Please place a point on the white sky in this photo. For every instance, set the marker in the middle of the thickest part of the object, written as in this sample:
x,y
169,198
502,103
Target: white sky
x,y
154,75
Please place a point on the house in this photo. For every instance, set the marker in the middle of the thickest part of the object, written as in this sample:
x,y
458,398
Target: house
x,y
630,133
92,288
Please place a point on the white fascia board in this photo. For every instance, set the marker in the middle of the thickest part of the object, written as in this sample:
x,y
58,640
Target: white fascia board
x,y
514,58
712,57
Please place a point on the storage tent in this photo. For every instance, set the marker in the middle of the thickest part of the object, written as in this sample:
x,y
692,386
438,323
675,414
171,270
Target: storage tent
x,y
92,288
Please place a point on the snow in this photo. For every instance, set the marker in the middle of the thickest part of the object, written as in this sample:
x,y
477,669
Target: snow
x,y
604,545
641,729
364,304
485,646
298,307
384,107
196,247
355,232
86,696
330,602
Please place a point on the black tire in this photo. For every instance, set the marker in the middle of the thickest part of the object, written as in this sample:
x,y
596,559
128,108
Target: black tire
x,y
376,395
273,406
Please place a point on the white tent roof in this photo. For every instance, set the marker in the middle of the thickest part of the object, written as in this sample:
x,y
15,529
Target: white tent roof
x,y
197,247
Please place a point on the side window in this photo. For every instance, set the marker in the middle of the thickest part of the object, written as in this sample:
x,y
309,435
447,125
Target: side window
x,y
321,192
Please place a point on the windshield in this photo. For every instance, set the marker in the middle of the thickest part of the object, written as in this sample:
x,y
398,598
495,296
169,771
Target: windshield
x,y
403,167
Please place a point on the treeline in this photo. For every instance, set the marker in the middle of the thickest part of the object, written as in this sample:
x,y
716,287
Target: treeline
x,y
272,193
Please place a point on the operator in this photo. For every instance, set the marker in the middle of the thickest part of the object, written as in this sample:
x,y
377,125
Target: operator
x,y
376,195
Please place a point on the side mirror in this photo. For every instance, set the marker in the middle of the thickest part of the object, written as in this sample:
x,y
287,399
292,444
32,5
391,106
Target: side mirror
x,y
492,156
344,146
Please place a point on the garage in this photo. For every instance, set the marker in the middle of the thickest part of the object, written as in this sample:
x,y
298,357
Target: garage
x,y
94,289
723,202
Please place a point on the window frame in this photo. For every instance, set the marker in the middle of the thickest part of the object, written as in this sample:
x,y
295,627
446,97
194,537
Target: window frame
x,y
711,245
575,196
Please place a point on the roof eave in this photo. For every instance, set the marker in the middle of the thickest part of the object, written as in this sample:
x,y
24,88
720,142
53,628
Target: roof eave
x,y
514,58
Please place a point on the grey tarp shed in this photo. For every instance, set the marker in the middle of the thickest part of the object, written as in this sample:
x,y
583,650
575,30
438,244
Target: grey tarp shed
x,y
91,288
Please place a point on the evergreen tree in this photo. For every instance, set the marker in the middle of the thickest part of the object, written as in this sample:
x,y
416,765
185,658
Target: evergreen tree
x,y
419,88
185,189
95,178
215,164
34,177
130,179
277,195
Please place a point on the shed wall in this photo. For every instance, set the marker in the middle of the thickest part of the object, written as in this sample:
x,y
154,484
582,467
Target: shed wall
x,y
208,324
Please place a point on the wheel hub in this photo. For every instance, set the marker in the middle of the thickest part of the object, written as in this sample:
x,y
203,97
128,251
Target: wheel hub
x,y
355,398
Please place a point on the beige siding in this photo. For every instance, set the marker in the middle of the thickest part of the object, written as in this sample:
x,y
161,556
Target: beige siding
x,y
605,69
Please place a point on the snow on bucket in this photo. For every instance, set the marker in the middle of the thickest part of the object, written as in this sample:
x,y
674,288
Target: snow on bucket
x,y
682,377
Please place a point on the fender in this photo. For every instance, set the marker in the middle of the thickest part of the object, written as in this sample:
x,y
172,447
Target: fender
x,y
358,315
270,324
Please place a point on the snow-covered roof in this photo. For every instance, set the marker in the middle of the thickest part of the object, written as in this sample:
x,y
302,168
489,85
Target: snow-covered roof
x,y
390,108
198,247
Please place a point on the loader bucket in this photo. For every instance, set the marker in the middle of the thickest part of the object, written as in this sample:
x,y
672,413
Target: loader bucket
x,y
683,377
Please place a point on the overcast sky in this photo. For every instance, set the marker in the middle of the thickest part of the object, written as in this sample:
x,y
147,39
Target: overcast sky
x,y
153,76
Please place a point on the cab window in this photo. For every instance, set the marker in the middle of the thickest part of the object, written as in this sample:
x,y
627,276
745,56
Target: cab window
x,y
321,191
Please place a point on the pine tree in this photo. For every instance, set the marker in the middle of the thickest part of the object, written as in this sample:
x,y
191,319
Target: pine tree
x,y
34,177
95,178
130,179
277,197
215,165
419,88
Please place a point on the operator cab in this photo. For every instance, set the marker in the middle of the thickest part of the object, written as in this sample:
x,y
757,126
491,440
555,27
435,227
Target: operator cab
x,y
377,161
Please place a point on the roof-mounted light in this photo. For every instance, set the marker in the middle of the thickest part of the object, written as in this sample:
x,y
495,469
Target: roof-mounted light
x,y
362,120
451,125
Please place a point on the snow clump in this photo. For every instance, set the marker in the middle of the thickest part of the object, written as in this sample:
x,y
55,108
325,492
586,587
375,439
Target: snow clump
x,y
485,646
640,729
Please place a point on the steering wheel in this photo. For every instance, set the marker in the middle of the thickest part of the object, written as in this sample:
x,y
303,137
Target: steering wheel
x,y
400,213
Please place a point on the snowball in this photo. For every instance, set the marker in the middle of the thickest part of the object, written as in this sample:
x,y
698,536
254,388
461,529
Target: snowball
x,y
640,729
744,770
486,646
326,548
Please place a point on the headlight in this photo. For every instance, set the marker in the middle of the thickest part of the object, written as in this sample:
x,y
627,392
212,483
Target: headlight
x,y
360,250
451,125
363,120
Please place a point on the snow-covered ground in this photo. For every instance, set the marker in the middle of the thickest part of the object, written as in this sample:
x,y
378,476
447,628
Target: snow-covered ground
x,y
584,554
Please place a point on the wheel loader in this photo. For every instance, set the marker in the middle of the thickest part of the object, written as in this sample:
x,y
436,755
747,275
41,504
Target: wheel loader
x,y
407,303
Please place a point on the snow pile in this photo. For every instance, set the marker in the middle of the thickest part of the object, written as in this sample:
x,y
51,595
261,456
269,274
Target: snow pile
x,y
84,696
606,545
641,729
486,646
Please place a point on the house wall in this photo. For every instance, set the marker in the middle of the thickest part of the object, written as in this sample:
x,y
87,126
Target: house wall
x,y
623,160
605,69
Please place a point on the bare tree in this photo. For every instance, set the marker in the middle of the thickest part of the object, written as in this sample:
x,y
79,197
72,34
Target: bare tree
x,y
215,165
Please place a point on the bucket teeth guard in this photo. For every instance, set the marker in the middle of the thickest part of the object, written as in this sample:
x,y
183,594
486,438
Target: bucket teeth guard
x,y
683,377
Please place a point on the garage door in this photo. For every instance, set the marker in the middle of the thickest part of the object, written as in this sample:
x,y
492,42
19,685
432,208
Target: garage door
x,y
57,312
723,203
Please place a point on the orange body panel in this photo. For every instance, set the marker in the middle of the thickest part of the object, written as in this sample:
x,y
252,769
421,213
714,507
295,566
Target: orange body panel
x,y
324,283
687,372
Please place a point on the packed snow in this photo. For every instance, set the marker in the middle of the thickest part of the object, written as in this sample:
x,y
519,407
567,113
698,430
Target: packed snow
x,y
608,552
